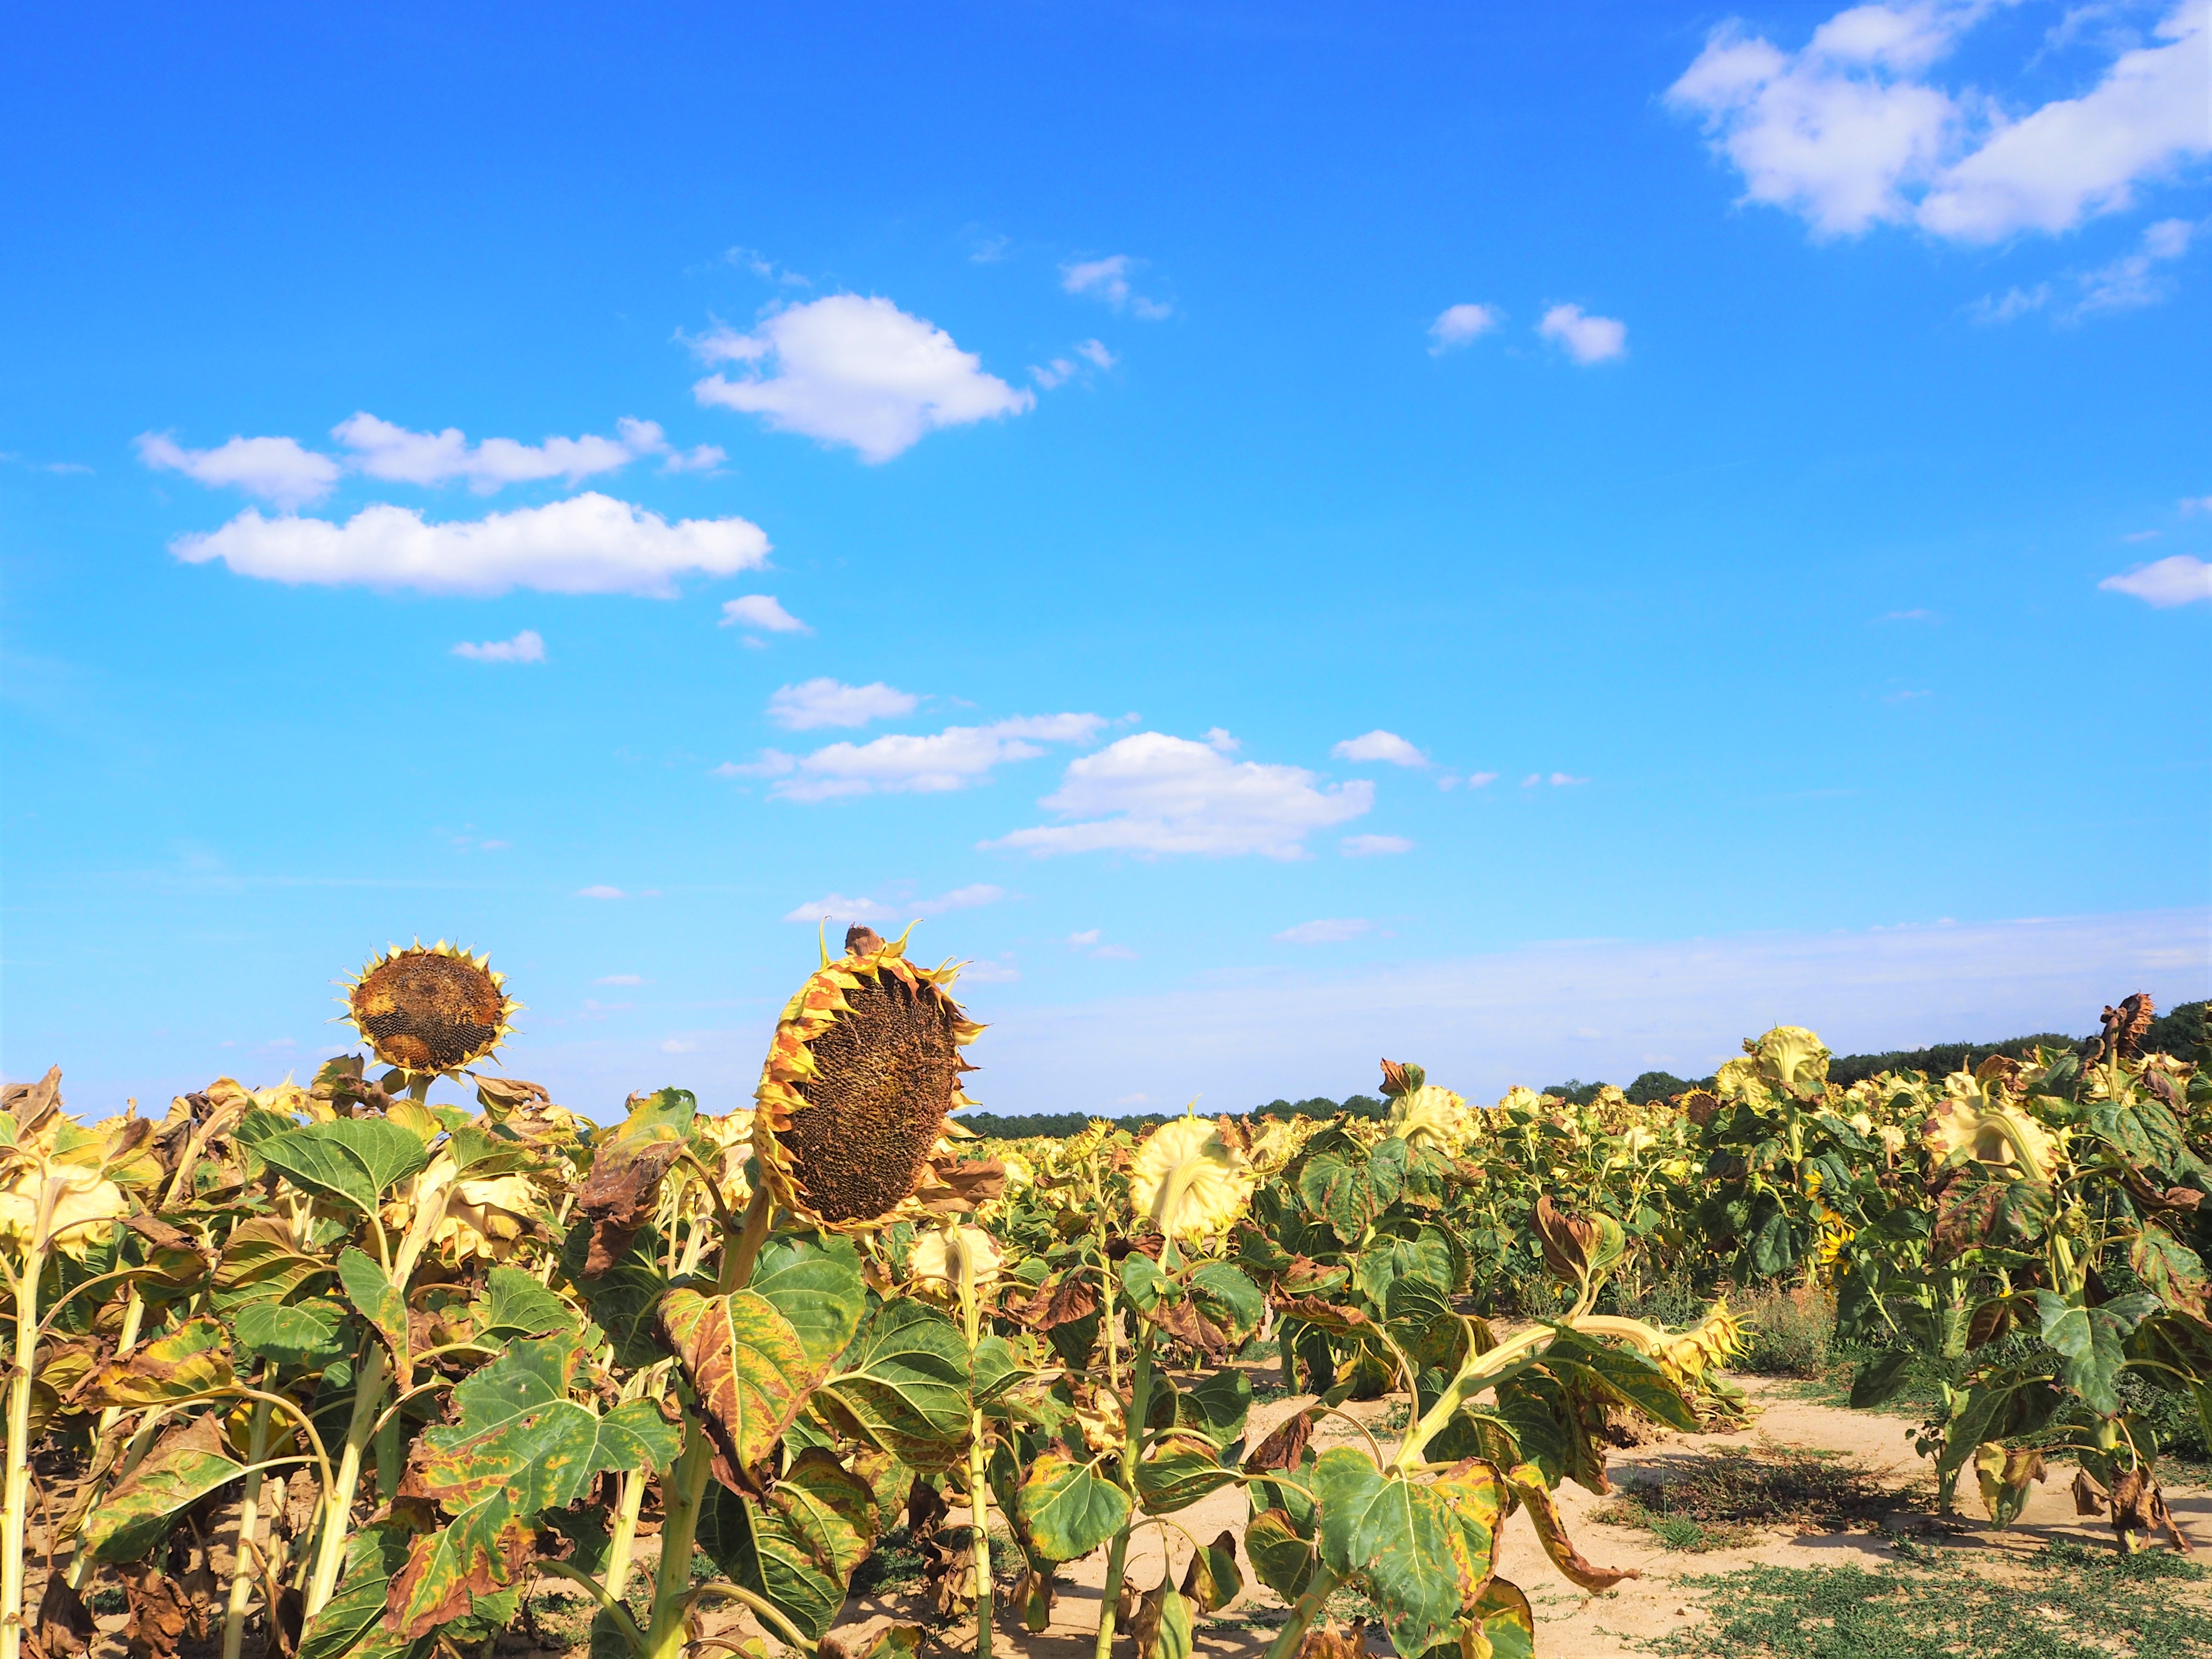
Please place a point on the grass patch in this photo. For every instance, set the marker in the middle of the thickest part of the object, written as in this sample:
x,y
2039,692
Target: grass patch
x,y
893,1564
2068,1602
1725,1496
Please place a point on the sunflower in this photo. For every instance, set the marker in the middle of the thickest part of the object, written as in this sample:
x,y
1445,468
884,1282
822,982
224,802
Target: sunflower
x,y
77,1204
863,1068
941,1254
1793,1060
1430,1116
1191,1178
429,1011
1991,1132
1706,1345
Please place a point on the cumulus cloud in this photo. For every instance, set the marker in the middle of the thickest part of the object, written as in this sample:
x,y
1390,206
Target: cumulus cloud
x,y
1107,282
1456,326
1155,793
825,702
601,892
923,764
1368,846
853,370
760,610
525,646
838,907
622,978
1330,930
1557,780
1380,746
276,469
2180,579
1587,339
588,544
1848,132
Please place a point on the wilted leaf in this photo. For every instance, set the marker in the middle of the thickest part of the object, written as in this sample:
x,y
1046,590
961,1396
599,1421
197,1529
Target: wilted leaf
x,y
627,1167
747,1368
1178,1471
189,1460
1213,1580
2090,1340
373,1555
1283,1559
1527,1484
191,1360
2005,1476
798,1547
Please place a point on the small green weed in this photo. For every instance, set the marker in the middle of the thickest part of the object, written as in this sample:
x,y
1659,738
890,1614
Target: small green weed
x,y
2067,1603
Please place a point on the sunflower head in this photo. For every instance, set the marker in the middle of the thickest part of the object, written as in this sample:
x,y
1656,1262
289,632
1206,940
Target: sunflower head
x,y
1792,1058
1704,1346
1193,1178
864,1066
941,1256
430,1010
1431,1116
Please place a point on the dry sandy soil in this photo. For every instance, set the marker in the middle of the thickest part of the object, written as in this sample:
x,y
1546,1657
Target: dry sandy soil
x,y
1572,1623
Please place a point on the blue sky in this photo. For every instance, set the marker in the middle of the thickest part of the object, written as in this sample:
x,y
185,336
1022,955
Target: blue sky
x,y
1541,540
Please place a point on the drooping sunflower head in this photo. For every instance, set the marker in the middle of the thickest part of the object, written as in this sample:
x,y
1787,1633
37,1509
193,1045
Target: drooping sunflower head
x,y
863,1068
1994,1134
430,1010
1193,1178
1706,1345
1431,1116
942,1256
1793,1059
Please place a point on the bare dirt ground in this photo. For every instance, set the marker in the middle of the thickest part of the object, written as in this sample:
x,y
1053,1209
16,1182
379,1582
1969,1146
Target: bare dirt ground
x,y
1573,1623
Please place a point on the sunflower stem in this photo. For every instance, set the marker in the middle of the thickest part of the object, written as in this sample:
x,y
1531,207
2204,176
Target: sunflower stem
x,y
1132,1450
18,1496
337,1502
249,1521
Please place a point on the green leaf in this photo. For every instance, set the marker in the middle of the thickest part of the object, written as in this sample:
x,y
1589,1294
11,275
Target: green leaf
x,y
1878,1379
1178,1472
189,1461
373,1554
799,1548
354,1159
747,1367
1228,1299
817,1287
2090,1341
1623,1374
1217,1405
261,1261
1142,1282
1068,1509
902,1385
1173,1639
624,1300
1283,1559
375,1299
307,1335
522,1446
516,1305
1401,1541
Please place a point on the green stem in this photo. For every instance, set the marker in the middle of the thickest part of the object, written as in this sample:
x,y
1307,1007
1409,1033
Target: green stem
x,y
249,1520
18,1491
338,1499
1140,1402
1303,1611
679,1530
979,1502
624,1536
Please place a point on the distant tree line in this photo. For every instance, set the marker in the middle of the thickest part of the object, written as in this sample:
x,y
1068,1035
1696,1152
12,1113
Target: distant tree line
x,y
2183,1032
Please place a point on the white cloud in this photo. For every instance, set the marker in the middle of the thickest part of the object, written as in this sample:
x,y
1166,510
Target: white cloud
x,y
599,892
1588,339
1368,846
1481,780
950,759
989,973
1113,953
1456,326
1848,133
679,1046
622,978
1060,370
858,371
2180,579
2130,281
1330,930
1151,793
838,907
825,702
1095,352
1107,281
1557,780
1088,936
525,646
588,544
760,610
1380,746
276,469
2197,504
382,450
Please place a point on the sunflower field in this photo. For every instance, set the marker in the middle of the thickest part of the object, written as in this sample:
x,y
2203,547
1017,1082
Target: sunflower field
x,y
334,1371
